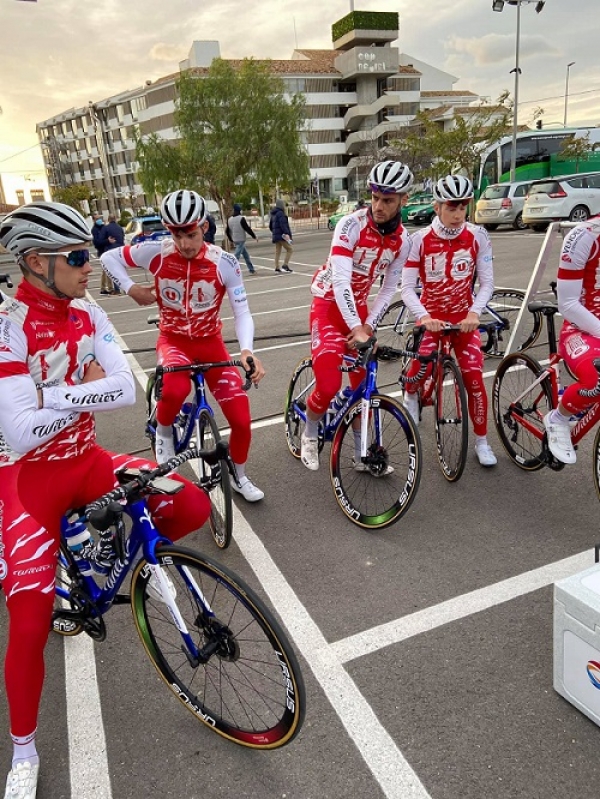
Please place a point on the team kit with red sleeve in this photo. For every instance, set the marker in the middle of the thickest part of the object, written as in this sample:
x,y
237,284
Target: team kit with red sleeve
x,y
50,463
445,263
579,294
189,293
359,256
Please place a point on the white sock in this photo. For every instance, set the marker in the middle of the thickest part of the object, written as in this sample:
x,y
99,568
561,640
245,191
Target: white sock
x,y
481,441
24,749
241,471
556,417
164,430
311,429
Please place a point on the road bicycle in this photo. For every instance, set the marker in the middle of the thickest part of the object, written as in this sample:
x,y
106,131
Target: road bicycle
x,y
215,644
441,386
524,391
496,323
196,424
378,489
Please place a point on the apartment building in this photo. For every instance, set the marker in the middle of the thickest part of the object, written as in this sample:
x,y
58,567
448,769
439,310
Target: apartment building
x,y
358,95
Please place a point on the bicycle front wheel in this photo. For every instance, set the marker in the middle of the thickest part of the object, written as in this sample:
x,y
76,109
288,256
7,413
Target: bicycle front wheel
x,y
300,386
396,326
378,490
215,481
451,420
520,401
236,672
500,317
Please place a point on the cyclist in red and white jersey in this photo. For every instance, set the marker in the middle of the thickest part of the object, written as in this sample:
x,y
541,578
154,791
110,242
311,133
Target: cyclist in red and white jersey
x,y
59,364
368,244
191,278
444,257
578,291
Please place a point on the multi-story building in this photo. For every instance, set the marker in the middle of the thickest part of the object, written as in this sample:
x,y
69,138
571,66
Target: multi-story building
x,y
358,95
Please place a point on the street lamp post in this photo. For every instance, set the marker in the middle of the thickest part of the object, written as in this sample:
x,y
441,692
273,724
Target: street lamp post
x,y
498,5
569,65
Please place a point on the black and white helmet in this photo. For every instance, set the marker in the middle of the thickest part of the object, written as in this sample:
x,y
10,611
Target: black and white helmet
x,y
390,177
183,207
43,226
452,188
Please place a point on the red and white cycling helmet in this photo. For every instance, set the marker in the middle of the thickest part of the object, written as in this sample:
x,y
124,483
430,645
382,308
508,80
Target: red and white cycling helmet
x,y
183,208
453,188
390,177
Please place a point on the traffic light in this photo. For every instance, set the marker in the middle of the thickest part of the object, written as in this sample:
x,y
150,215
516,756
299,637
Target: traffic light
x,y
538,124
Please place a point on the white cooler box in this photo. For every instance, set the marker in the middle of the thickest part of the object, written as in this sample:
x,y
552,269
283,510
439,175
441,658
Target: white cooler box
x,y
577,640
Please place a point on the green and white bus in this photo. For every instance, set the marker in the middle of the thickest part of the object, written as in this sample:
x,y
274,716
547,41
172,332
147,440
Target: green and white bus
x,y
537,156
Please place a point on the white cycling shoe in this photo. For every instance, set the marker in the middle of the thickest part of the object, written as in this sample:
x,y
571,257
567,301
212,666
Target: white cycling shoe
x,y
21,782
164,448
309,452
248,490
559,440
485,455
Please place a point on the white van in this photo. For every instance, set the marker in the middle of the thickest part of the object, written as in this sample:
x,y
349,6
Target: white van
x,y
571,197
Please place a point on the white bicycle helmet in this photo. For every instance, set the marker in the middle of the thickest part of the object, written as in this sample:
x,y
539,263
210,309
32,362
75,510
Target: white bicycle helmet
x,y
452,188
390,177
43,226
183,207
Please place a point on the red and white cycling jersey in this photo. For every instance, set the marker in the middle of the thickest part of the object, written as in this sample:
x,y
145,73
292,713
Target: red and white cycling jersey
x,y
359,255
579,277
189,293
446,268
46,343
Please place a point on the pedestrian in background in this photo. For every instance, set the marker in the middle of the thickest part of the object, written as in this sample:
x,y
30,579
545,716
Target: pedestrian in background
x,y
106,284
281,236
112,236
210,232
237,229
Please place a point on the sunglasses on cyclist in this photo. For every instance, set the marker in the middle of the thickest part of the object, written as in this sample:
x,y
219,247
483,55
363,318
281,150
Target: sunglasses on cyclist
x,y
458,203
76,258
381,189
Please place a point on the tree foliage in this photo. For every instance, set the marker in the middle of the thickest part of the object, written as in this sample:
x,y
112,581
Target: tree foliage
x,y
457,149
236,127
575,149
73,195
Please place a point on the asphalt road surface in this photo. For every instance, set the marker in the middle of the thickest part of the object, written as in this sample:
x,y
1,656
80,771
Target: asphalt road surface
x,y
426,647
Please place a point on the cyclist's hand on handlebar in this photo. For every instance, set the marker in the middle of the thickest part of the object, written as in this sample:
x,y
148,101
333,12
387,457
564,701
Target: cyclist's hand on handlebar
x,y
143,295
359,335
253,366
470,322
433,325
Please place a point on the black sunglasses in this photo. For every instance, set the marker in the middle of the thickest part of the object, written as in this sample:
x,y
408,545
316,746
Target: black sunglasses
x,y
458,203
76,258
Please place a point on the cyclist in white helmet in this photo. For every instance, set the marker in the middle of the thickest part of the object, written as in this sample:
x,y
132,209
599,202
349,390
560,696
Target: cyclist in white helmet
x,y
191,277
59,364
367,244
444,257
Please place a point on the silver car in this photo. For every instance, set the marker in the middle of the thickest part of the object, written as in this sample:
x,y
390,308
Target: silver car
x,y
502,204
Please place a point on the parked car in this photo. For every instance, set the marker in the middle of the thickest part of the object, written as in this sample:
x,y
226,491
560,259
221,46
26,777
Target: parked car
x,y
502,204
343,210
572,197
416,202
145,228
422,213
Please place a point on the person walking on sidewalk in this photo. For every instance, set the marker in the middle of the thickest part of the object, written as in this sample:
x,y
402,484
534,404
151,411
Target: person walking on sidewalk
x,y
237,229
112,236
281,236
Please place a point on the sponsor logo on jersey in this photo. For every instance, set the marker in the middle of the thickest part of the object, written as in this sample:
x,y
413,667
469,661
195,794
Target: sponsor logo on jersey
x,y
576,346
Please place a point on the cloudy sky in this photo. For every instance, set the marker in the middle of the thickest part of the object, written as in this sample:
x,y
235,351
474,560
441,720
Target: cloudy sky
x,y
56,54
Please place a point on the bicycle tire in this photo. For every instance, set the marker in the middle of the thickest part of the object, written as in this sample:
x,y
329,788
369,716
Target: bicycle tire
x,y
507,304
215,481
250,690
300,385
60,625
396,326
371,498
451,421
514,377
596,455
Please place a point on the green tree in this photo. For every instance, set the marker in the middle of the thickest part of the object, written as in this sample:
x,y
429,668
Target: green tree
x,y
575,149
440,152
236,128
73,195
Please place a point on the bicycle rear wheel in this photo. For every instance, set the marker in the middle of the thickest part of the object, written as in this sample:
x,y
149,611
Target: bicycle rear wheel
x,y
396,326
519,406
240,676
451,420
300,386
214,480
506,304
376,492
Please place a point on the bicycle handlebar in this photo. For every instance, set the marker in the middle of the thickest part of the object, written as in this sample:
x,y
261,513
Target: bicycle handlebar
x,y
5,278
198,368
145,478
